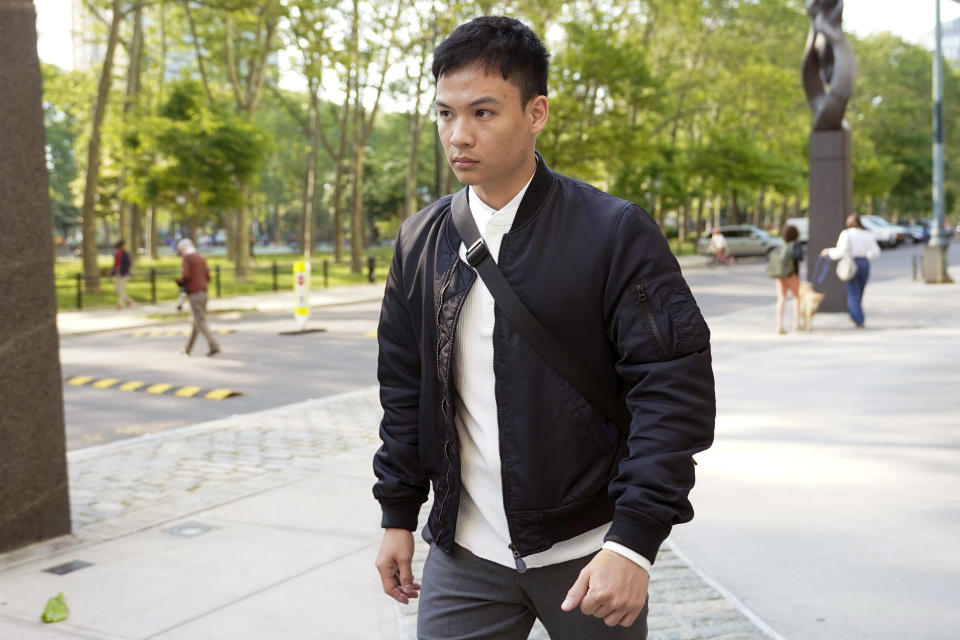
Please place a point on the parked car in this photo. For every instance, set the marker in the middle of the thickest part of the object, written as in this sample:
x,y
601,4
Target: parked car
x,y
886,234
742,240
803,227
917,230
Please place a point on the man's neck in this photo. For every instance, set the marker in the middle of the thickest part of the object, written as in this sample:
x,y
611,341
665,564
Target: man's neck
x,y
496,196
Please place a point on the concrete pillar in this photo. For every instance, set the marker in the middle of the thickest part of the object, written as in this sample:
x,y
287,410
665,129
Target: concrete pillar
x,y
34,503
831,201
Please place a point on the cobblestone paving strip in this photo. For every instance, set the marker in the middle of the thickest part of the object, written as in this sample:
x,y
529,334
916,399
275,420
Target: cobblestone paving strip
x,y
133,485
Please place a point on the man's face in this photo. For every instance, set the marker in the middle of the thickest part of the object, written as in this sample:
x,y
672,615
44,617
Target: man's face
x,y
488,135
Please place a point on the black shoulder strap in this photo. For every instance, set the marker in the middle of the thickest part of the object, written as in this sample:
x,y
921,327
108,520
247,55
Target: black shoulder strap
x,y
527,325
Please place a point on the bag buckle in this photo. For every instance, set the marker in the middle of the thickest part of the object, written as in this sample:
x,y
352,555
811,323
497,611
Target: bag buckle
x,y
477,253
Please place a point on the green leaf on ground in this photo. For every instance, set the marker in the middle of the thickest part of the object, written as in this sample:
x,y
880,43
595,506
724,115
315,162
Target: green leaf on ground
x,y
56,609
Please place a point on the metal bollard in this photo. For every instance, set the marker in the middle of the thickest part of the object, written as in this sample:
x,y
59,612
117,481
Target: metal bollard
x,y
326,274
275,276
913,265
153,285
216,270
371,265
79,291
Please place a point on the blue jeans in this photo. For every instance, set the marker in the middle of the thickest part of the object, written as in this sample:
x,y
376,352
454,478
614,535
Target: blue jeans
x,y
855,287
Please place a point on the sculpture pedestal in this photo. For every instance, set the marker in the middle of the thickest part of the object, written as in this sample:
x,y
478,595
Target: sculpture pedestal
x,y
34,503
831,201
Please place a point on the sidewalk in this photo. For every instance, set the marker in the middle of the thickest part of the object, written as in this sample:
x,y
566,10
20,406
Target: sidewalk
x,y
263,525
108,319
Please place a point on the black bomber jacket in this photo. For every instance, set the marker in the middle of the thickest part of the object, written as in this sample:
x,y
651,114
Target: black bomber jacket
x,y
597,271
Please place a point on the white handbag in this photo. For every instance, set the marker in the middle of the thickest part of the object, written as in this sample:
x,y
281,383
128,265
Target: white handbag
x,y
846,268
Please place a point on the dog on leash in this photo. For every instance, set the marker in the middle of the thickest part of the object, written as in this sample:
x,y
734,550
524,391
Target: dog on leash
x,y
809,301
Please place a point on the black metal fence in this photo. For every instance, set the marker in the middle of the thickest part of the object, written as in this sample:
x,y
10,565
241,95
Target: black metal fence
x,y
154,285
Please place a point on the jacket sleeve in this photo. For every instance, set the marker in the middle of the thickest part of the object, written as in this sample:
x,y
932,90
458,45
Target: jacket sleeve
x,y
663,346
401,485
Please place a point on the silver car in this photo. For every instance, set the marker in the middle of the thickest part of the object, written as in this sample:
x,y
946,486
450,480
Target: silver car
x,y
742,240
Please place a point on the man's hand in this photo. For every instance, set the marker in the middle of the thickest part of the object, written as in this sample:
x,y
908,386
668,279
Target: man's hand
x,y
394,565
610,587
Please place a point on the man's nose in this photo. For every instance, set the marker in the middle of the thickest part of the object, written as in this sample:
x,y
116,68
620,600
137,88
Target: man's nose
x,y
461,134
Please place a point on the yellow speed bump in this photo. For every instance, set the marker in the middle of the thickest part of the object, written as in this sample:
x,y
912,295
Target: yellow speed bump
x,y
157,389
220,394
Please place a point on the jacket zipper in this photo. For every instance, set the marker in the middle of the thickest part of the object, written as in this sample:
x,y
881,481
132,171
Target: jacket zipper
x,y
645,304
517,558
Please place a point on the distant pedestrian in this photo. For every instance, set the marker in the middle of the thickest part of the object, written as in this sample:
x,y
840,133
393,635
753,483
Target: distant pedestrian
x,y
121,273
718,248
783,264
857,242
194,277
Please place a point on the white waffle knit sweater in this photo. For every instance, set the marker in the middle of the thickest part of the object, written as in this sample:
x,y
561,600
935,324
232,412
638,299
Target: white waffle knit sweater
x,y
481,520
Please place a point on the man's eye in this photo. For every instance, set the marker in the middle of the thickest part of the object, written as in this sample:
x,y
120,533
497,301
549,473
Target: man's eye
x,y
442,114
484,113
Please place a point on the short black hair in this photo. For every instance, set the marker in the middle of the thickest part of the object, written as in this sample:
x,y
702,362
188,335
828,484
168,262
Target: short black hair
x,y
497,43
789,233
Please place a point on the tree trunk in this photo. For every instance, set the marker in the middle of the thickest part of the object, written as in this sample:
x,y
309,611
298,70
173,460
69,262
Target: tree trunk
x,y
152,232
758,214
356,226
682,221
128,209
733,215
91,270
310,180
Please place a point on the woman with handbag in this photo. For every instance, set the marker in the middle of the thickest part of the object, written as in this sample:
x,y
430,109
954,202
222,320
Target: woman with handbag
x,y
855,248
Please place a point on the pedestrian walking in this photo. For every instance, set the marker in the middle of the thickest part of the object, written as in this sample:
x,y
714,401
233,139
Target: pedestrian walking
x,y
859,244
121,274
542,507
194,277
783,264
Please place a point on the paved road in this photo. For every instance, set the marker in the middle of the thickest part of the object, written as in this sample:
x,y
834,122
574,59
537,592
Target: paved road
x,y
273,370
270,369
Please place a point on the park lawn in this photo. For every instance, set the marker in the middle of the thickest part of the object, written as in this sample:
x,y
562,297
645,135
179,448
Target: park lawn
x,y
166,270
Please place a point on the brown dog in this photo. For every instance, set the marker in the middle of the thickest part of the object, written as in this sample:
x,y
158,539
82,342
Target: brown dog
x,y
809,302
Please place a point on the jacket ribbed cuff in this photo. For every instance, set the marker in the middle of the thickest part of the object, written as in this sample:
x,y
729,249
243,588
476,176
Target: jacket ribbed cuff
x,y
400,515
637,532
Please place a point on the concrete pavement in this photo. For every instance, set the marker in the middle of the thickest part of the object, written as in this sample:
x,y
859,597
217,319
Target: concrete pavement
x,y
263,526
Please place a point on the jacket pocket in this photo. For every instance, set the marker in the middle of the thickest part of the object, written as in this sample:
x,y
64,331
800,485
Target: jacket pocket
x,y
671,317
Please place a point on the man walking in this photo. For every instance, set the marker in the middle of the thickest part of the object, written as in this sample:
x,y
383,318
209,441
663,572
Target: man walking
x,y
542,508
194,278
121,274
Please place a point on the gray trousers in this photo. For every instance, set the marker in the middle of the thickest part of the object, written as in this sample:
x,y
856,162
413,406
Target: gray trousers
x,y
468,598
198,306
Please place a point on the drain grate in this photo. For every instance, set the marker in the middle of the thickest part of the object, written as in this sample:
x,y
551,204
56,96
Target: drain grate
x,y
188,530
69,567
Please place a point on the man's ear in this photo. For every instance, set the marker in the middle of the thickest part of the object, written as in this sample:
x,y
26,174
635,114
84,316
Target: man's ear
x,y
538,110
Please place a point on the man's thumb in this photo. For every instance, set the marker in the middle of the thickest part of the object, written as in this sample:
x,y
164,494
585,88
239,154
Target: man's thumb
x,y
576,593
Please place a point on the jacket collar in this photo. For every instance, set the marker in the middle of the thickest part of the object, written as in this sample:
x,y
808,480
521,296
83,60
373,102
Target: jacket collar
x,y
536,193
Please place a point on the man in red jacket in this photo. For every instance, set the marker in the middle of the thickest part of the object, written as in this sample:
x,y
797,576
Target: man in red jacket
x,y
194,277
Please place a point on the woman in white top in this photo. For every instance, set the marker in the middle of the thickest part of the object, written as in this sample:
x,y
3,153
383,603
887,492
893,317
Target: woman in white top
x,y
859,243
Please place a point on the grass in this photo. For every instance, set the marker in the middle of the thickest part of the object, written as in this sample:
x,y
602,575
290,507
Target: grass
x,y
166,270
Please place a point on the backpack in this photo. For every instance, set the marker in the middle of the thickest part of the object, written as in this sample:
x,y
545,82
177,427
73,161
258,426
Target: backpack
x,y
780,261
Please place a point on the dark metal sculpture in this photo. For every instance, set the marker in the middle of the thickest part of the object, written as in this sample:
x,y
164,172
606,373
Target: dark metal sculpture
x,y
829,65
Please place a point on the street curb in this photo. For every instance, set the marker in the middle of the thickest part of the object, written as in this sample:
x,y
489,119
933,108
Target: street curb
x,y
203,427
759,622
